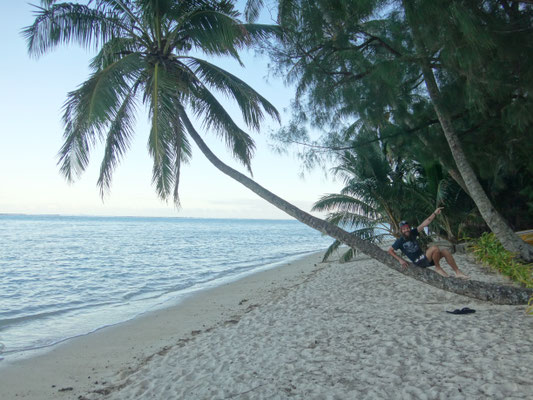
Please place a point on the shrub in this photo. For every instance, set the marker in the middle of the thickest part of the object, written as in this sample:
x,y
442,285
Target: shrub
x,y
489,251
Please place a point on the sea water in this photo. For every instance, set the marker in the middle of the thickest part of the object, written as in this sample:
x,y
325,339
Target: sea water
x,y
65,276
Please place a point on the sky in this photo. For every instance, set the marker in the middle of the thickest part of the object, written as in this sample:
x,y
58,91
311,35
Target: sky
x,y
31,97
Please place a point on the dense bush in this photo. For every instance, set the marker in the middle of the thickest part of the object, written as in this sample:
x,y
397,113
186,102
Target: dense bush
x,y
489,251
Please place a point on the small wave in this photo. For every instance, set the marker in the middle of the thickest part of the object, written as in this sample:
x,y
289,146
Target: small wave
x,y
4,323
66,276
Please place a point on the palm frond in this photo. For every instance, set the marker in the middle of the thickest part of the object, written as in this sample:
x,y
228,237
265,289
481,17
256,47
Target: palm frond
x,y
127,13
252,9
368,234
257,33
97,100
213,33
182,150
74,153
350,220
214,115
349,255
250,102
344,203
152,8
64,23
118,142
160,94
167,143
112,51
90,109
331,249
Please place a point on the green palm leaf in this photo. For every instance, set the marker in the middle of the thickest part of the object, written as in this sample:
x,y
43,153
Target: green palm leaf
x,y
161,95
256,33
252,10
250,102
330,250
64,23
214,116
112,51
118,142
213,33
338,201
143,51
90,109
351,220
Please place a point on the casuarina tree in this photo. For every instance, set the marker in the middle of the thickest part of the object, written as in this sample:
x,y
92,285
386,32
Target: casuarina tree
x,y
381,63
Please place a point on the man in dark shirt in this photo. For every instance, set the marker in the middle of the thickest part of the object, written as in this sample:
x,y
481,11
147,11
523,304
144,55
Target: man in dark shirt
x,y
409,246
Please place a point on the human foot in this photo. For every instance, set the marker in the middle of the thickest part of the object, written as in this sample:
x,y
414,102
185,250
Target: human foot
x,y
441,272
461,275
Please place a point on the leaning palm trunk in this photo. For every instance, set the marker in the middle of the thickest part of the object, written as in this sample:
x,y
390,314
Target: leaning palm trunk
x,y
480,290
492,217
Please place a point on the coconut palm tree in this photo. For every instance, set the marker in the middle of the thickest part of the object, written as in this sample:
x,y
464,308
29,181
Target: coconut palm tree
x,y
373,200
380,191
146,55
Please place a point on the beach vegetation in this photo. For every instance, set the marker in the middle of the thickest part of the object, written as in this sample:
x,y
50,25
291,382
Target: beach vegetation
x,y
448,81
490,253
529,309
381,190
149,57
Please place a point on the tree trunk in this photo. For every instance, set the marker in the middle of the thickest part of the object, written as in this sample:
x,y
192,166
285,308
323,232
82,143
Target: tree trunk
x,y
476,289
492,217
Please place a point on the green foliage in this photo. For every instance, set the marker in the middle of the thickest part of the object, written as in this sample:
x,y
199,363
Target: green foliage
x,y
355,65
529,309
381,191
489,251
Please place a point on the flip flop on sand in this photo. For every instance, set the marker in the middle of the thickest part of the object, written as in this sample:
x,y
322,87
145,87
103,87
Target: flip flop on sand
x,y
465,310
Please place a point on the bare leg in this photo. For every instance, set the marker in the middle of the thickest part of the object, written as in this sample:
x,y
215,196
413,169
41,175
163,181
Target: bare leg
x,y
433,253
450,260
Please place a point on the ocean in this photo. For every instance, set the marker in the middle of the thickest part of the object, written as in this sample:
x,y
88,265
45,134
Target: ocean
x,y
65,276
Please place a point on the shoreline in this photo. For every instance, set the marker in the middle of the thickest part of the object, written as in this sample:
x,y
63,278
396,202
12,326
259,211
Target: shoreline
x,y
307,330
71,367
173,300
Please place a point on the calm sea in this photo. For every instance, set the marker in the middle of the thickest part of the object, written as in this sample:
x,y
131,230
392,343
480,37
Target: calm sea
x,y
63,276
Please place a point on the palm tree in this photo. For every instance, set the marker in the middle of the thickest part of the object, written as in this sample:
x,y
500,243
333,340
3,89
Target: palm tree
x,y
146,56
381,190
374,199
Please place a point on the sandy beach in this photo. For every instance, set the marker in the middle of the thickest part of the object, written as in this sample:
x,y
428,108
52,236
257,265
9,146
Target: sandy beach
x,y
307,330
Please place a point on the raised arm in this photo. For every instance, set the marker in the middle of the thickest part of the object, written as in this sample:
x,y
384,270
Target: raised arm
x,y
428,220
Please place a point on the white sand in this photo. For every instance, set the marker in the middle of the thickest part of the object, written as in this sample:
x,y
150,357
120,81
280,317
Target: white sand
x,y
332,331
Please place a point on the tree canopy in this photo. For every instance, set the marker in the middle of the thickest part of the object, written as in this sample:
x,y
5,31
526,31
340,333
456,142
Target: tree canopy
x,y
367,64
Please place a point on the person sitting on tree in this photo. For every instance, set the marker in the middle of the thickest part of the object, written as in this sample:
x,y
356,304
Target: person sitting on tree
x,y
409,246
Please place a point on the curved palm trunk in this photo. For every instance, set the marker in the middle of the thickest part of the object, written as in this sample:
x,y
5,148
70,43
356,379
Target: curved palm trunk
x,y
492,217
479,290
